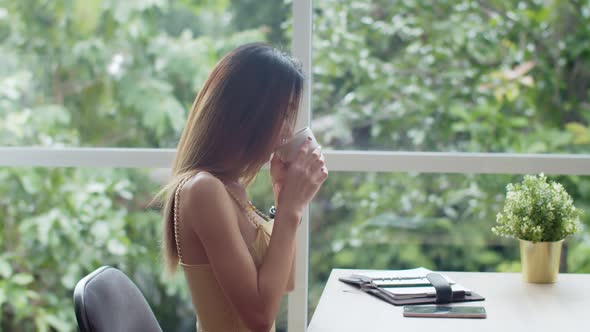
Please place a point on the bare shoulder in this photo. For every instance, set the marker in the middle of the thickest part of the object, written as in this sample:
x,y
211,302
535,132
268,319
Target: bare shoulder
x,y
202,185
204,196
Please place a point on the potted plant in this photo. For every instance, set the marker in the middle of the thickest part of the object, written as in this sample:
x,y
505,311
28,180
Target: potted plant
x,y
541,215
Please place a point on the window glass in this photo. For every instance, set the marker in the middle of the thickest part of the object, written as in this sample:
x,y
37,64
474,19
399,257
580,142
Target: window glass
x,y
469,76
438,221
109,73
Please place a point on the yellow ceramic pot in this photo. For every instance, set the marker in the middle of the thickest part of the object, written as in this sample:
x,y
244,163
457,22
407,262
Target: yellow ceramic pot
x,y
540,261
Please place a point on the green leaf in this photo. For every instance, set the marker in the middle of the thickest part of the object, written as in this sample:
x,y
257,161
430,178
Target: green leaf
x,y
22,279
86,15
5,268
581,132
70,278
57,323
123,10
3,297
175,112
117,248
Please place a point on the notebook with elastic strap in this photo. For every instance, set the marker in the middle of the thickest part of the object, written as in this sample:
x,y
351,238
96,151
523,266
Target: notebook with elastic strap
x,y
443,291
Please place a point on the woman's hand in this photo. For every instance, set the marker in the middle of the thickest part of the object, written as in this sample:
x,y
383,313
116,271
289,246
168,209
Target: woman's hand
x,y
302,179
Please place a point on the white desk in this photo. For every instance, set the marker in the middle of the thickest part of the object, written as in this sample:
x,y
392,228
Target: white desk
x,y
511,305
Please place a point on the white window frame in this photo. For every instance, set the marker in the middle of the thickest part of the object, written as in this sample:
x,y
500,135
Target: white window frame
x,y
338,161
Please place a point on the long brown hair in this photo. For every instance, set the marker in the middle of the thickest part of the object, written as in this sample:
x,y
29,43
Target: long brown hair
x,y
235,122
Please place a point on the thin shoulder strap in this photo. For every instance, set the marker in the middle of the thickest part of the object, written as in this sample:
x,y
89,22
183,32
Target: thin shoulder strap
x,y
245,208
177,217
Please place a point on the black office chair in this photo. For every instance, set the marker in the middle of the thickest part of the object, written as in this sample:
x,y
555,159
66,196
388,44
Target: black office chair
x,y
106,300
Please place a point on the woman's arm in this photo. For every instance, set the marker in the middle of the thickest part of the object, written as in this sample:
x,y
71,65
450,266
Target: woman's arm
x,y
291,282
254,294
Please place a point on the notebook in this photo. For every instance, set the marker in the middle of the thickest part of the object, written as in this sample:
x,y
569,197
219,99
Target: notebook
x,y
414,286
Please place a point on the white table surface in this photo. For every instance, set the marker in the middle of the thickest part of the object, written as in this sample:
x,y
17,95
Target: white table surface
x,y
511,305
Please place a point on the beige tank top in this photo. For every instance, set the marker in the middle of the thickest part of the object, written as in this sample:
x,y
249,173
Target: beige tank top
x,y
214,311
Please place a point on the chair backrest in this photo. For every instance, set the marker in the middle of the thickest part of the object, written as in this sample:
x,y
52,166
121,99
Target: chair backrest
x,y
106,300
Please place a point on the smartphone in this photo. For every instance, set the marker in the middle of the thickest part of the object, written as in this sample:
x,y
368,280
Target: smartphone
x,y
444,311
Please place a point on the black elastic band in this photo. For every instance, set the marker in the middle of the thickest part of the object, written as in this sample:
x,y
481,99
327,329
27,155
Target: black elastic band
x,y
272,212
444,293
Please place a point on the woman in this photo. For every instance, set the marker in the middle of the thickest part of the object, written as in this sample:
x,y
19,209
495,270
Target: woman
x,y
236,264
